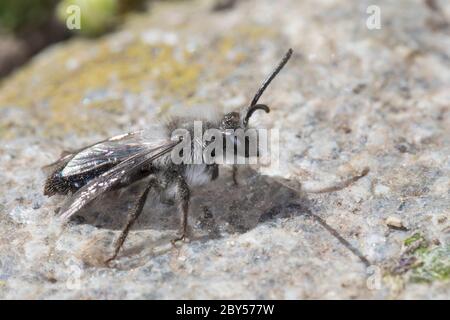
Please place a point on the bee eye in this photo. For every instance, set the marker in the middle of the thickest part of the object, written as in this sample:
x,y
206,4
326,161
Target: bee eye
x,y
231,120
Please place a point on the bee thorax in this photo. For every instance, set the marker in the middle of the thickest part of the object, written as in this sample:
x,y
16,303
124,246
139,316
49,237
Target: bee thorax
x,y
199,174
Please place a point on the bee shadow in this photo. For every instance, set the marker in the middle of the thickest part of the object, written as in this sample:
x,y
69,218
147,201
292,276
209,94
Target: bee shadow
x,y
218,208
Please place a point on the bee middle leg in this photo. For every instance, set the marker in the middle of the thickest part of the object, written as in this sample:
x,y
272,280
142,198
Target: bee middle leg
x,y
134,213
182,196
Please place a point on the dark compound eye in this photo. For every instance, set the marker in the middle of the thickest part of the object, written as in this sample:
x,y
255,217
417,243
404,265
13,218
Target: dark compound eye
x,y
231,120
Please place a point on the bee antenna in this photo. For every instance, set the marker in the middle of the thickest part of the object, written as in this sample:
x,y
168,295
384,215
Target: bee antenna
x,y
252,109
253,105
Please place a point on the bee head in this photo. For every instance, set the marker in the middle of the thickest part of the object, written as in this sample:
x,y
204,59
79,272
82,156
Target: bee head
x,y
239,120
235,120
231,121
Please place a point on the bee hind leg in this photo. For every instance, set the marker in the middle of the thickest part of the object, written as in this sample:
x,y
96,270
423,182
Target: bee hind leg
x,y
133,215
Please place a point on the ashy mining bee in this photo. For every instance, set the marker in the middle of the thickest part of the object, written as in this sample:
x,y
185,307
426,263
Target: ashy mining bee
x,y
119,161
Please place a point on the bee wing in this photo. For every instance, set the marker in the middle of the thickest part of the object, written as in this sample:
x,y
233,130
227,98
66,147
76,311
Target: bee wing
x,y
67,156
112,177
58,164
107,152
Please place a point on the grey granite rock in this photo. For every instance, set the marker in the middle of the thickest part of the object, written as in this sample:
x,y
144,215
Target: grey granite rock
x,y
350,98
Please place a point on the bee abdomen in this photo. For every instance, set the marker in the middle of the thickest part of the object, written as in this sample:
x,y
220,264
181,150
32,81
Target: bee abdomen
x,y
56,184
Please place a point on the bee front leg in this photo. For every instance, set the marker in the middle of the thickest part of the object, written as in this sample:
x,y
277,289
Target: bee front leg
x,y
182,196
134,213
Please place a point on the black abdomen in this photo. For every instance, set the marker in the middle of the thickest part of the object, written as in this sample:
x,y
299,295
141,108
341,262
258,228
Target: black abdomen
x,y
56,183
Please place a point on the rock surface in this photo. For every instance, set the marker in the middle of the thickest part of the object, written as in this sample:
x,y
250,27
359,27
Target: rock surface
x,y
350,98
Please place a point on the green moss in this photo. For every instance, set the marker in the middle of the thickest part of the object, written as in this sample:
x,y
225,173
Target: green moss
x,y
414,238
430,262
435,265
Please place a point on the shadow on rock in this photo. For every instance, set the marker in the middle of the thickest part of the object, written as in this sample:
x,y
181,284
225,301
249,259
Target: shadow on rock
x,y
216,208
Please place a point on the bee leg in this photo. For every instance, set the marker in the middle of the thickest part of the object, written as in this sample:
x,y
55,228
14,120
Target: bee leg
x,y
182,197
132,217
235,171
341,185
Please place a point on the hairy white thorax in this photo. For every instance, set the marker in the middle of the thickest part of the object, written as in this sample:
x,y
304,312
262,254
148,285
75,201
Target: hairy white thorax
x,y
197,175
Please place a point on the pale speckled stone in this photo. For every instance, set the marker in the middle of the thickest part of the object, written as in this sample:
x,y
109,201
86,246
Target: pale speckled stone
x,y
394,221
350,98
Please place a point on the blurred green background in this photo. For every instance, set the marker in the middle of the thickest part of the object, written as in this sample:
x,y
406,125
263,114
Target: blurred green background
x,y
98,16
26,26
